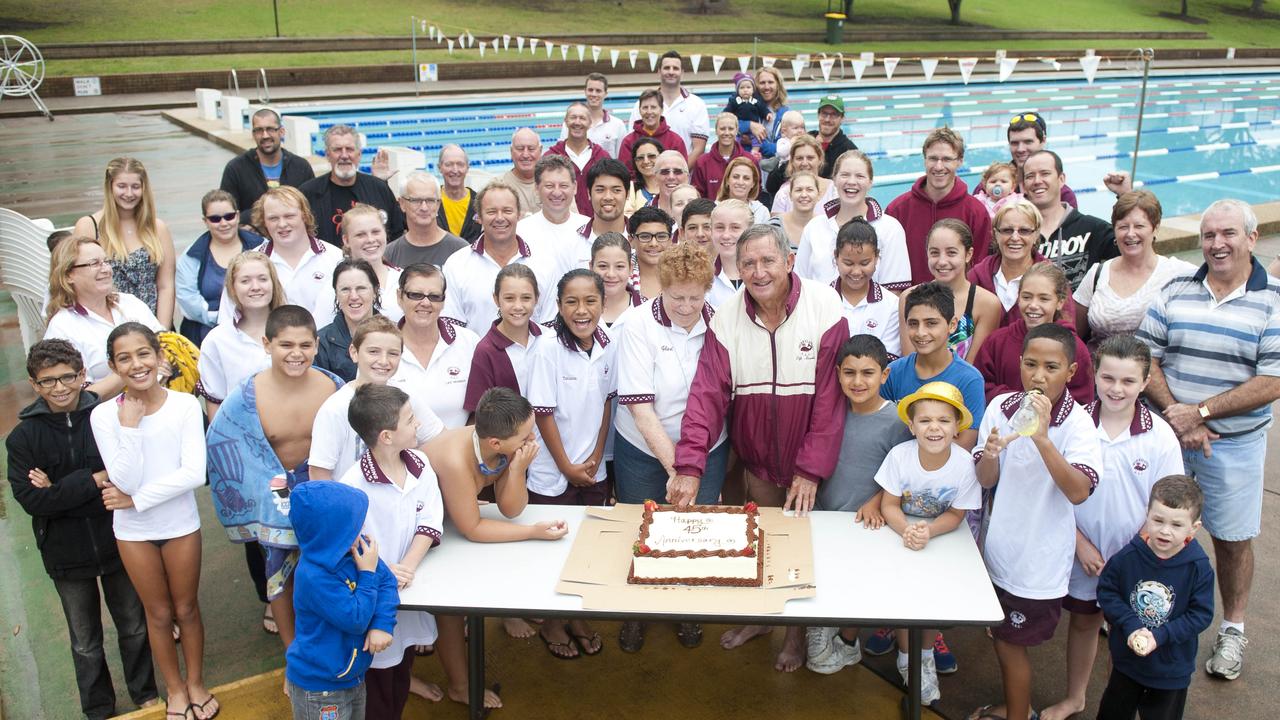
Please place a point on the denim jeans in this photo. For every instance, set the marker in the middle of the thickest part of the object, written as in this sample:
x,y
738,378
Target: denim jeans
x,y
346,704
82,606
641,477
1231,479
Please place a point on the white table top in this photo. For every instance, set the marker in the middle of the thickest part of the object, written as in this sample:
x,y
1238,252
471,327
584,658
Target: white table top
x,y
861,575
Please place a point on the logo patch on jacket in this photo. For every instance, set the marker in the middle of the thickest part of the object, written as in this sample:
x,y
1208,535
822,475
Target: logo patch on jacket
x,y
806,350
1152,602
351,584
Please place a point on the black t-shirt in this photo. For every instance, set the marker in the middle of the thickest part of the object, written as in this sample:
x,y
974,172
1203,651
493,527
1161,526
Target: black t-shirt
x,y
344,198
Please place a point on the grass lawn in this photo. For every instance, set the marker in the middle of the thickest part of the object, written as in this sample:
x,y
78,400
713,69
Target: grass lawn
x,y
49,21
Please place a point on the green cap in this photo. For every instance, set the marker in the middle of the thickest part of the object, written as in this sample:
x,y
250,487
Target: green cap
x,y
832,101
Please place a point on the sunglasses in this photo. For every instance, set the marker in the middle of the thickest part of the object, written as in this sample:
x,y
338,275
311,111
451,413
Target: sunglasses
x,y
419,297
1026,117
222,218
671,171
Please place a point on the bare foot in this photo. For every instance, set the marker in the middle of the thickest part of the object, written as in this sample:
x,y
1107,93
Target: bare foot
x,y
491,699
792,655
988,711
425,690
177,704
1063,710
518,628
740,635
285,687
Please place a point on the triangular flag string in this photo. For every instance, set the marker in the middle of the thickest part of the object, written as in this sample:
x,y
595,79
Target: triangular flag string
x,y
859,67
564,52
533,44
966,68
797,68
744,61
826,64
595,53
929,65
550,47
450,46
582,53
695,60
633,55
613,57
506,42
1089,64
890,64
520,44
1006,67
717,61
767,61
653,61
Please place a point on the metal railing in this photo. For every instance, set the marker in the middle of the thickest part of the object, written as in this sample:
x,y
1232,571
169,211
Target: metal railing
x,y
263,91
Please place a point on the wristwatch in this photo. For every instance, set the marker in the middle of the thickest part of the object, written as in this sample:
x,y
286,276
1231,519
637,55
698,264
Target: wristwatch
x,y
1204,411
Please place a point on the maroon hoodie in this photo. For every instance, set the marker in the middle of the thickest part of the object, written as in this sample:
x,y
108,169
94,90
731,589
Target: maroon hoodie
x,y
918,213
583,197
998,361
708,169
669,138
983,274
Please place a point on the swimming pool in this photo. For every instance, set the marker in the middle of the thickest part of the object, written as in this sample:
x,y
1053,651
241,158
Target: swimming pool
x,y
1203,137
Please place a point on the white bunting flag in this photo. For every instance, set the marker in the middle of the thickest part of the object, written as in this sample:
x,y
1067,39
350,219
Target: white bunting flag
x,y
869,58
613,57
826,64
890,64
1001,55
506,42
929,65
462,40
1089,64
471,39
482,48
633,55
431,32
716,62
1231,53
595,53
550,47
744,61
450,46
966,68
1006,67
582,53
520,44
767,61
564,52
859,66
653,61
695,61
797,68
533,44
422,26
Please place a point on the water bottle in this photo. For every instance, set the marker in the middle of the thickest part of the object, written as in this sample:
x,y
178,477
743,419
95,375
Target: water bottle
x,y
1025,422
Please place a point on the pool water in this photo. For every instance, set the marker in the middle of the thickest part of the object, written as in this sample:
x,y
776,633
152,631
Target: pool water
x,y
1203,137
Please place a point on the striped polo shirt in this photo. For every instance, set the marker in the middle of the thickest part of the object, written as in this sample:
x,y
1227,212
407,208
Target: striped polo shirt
x,y
1207,346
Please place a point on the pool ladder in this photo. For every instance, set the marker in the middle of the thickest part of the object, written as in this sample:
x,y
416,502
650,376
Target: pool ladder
x,y
261,88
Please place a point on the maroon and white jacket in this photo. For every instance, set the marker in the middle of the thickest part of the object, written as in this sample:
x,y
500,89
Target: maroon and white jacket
x,y
778,390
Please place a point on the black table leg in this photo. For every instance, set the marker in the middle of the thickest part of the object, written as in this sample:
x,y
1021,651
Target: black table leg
x,y
475,667
914,649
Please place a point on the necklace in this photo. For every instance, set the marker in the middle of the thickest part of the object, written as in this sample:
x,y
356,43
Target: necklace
x,y
485,470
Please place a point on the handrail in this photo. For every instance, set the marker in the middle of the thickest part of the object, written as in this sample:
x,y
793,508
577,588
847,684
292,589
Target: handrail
x,y
264,94
234,82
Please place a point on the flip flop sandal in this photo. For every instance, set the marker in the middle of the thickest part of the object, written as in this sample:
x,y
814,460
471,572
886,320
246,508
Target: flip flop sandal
x,y
689,634
269,625
584,643
984,713
201,706
424,650
552,646
189,711
631,636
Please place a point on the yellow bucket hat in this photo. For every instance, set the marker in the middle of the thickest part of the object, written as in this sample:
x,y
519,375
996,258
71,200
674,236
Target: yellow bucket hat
x,y
941,391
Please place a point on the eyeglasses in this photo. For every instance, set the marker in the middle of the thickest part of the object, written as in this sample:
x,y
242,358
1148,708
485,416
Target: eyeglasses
x,y
1019,231
228,217
68,380
419,297
672,171
1026,117
95,264
420,201
944,159
652,237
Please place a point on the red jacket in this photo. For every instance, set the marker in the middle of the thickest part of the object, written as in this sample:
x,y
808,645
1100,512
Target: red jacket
x,y
983,274
918,213
778,390
669,138
708,169
583,197
998,361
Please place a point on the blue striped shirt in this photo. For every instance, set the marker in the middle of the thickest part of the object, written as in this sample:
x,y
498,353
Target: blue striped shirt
x,y
1206,347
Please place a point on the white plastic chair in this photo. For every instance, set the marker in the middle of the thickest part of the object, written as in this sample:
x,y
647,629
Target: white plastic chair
x,y
24,270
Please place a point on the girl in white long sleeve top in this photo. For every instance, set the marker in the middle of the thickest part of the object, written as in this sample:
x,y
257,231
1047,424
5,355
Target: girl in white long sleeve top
x,y
152,443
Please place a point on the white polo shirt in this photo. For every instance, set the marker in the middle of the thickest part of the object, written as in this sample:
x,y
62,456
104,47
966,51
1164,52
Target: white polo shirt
x,y
687,117
876,314
395,517
561,241
578,253
607,133
815,256
1007,290
228,355
469,276
1031,536
656,363
304,285
441,382
336,447
722,288
574,388
88,331
1132,462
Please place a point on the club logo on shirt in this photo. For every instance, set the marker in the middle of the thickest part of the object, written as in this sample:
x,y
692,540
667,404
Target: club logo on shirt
x,y
420,506
1152,602
668,348
1139,465
455,371
1017,619
806,351
317,276
872,324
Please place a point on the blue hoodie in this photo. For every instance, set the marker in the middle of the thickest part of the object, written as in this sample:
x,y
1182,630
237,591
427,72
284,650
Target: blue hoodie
x,y
1172,598
335,604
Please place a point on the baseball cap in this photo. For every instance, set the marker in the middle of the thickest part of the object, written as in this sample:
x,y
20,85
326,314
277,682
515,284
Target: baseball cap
x,y
832,101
